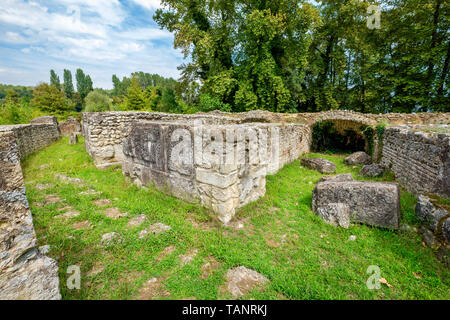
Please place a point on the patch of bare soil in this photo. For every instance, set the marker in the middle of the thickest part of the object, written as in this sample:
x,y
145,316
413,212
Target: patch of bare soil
x,y
114,213
209,267
102,202
82,225
153,288
166,252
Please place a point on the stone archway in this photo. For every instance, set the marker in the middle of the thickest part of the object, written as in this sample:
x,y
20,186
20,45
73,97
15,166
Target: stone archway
x,y
343,131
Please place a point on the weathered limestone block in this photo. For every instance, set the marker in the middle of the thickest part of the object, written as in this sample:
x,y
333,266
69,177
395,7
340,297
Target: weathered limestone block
x,y
319,164
372,203
371,170
337,214
337,178
430,215
356,158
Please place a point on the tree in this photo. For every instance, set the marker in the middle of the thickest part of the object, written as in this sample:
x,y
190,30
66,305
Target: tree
x,y
168,101
247,54
136,97
96,101
54,80
68,84
49,99
84,84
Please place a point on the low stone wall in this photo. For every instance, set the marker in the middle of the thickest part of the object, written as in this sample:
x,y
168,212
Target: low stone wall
x,y
70,126
25,273
420,160
34,136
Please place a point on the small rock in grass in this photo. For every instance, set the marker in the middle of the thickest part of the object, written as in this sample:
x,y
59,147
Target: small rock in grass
x,y
188,257
102,202
359,157
44,249
137,221
82,225
40,186
155,229
319,164
110,238
68,179
114,213
89,193
241,280
68,215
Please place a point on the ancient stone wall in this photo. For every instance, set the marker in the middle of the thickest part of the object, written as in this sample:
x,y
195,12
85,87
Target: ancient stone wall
x,y
70,126
127,138
34,136
223,167
25,273
420,160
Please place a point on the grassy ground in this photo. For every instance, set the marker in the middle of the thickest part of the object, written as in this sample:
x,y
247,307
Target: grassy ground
x,y
303,257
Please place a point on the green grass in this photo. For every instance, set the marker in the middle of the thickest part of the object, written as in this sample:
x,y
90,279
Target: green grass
x,y
303,257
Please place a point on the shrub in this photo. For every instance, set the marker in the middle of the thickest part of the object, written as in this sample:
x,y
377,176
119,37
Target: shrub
x,y
96,101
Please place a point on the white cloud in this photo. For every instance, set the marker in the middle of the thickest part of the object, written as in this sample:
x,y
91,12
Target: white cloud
x,y
93,34
149,4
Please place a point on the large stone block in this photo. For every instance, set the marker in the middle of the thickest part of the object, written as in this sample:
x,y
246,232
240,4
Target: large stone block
x,y
359,157
319,164
372,203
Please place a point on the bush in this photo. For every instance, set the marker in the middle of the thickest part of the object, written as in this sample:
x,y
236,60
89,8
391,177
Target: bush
x,y
208,103
50,100
96,101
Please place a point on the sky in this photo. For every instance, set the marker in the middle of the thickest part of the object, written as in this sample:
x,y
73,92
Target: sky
x,y
102,37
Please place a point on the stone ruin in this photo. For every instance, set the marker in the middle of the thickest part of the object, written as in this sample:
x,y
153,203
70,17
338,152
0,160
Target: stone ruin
x,y
221,161
25,272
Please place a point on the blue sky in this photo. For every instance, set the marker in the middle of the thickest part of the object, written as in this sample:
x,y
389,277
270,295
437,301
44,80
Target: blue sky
x,y
103,37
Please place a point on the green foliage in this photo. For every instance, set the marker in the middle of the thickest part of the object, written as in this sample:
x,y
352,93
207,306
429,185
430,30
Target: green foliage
x,y
20,113
97,101
136,98
84,84
50,100
380,134
369,133
54,79
208,103
290,55
68,84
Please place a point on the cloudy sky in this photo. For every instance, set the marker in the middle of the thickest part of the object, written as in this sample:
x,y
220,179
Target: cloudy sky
x,y
103,37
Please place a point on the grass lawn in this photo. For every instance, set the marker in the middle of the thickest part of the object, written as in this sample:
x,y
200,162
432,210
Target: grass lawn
x,y
303,257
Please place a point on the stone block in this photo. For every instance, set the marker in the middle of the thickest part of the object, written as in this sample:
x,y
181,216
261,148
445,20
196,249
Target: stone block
x,y
372,203
337,214
319,164
356,158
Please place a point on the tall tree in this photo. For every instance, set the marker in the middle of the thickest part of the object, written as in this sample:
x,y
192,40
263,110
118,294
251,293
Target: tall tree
x,y
84,84
54,79
68,84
